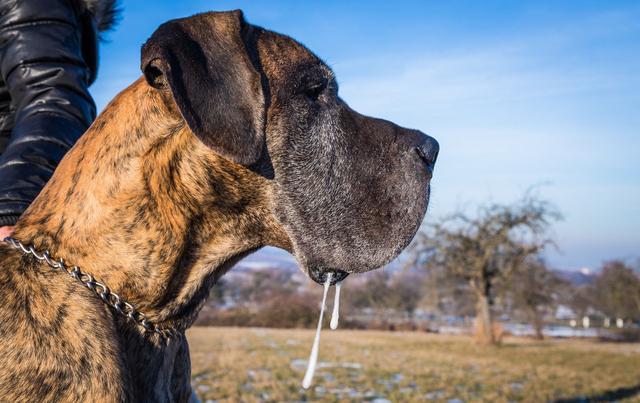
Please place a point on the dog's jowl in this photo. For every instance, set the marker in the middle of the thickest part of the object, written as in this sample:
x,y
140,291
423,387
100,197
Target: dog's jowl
x,y
233,139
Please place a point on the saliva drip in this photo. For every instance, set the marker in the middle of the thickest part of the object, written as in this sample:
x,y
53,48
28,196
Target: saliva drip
x,y
313,357
335,315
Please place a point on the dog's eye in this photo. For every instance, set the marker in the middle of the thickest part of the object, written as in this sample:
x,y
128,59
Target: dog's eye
x,y
313,91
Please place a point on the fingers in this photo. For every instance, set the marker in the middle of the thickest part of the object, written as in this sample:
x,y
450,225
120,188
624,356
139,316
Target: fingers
x,y
5,232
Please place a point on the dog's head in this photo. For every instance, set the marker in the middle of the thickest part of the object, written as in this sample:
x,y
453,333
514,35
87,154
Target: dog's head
x,y
350,191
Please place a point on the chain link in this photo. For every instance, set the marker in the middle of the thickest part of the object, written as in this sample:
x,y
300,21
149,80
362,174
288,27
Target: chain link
x,y
109,297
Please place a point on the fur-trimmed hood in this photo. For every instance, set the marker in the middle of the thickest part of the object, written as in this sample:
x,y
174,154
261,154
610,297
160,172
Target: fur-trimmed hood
x,y
104,12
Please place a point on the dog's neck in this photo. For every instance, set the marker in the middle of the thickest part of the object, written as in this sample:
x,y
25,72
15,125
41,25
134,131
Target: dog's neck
x,y
148,209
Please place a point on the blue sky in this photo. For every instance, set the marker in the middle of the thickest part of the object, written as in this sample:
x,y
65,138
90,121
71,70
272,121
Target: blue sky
x,y
517,94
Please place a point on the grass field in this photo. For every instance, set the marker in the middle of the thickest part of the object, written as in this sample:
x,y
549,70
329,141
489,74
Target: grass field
x,y
250,365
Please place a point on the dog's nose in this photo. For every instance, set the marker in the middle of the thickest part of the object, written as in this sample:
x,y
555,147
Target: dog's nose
x,y
428,151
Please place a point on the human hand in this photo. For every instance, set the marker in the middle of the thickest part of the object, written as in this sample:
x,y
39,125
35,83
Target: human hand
x,y
5,232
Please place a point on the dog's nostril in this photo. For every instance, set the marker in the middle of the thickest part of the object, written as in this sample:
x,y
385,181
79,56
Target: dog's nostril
x,y
428,151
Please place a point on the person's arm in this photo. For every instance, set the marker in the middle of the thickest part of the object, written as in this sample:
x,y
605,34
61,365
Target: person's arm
x,y
42,66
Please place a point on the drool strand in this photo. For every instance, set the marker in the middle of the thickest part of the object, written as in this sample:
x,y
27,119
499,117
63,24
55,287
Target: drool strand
x,y
313,357
335,315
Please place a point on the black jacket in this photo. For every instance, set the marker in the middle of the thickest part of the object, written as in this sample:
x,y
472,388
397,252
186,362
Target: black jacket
x,y
48,59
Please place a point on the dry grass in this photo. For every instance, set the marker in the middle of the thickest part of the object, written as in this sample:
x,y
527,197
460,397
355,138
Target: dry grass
x,y
250,365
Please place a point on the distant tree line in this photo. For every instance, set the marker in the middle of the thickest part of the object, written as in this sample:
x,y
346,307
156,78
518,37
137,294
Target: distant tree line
x,y
265,298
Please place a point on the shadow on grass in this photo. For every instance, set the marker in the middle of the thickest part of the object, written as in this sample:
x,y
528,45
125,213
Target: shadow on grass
x,y
607,396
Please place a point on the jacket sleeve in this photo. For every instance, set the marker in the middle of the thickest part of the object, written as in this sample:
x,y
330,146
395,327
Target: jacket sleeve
x,y
42,65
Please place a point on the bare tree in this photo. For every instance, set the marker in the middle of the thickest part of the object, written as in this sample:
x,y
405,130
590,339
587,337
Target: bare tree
x,y
445,294
486,247
617,291
374,292
580,298
533,289
406,292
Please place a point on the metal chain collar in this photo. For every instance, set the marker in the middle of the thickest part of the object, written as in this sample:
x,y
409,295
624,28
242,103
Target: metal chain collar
x,y
109,297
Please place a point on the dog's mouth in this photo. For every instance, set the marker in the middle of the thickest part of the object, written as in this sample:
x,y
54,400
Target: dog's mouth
x,y
319,275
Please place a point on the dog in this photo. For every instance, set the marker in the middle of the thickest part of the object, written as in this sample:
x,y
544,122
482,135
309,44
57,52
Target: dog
x,y
233,139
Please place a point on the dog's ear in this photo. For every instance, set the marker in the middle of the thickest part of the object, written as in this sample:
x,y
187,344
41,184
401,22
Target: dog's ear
x,y
204,62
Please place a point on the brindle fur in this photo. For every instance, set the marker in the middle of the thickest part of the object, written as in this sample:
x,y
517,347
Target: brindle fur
x,y
159,208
